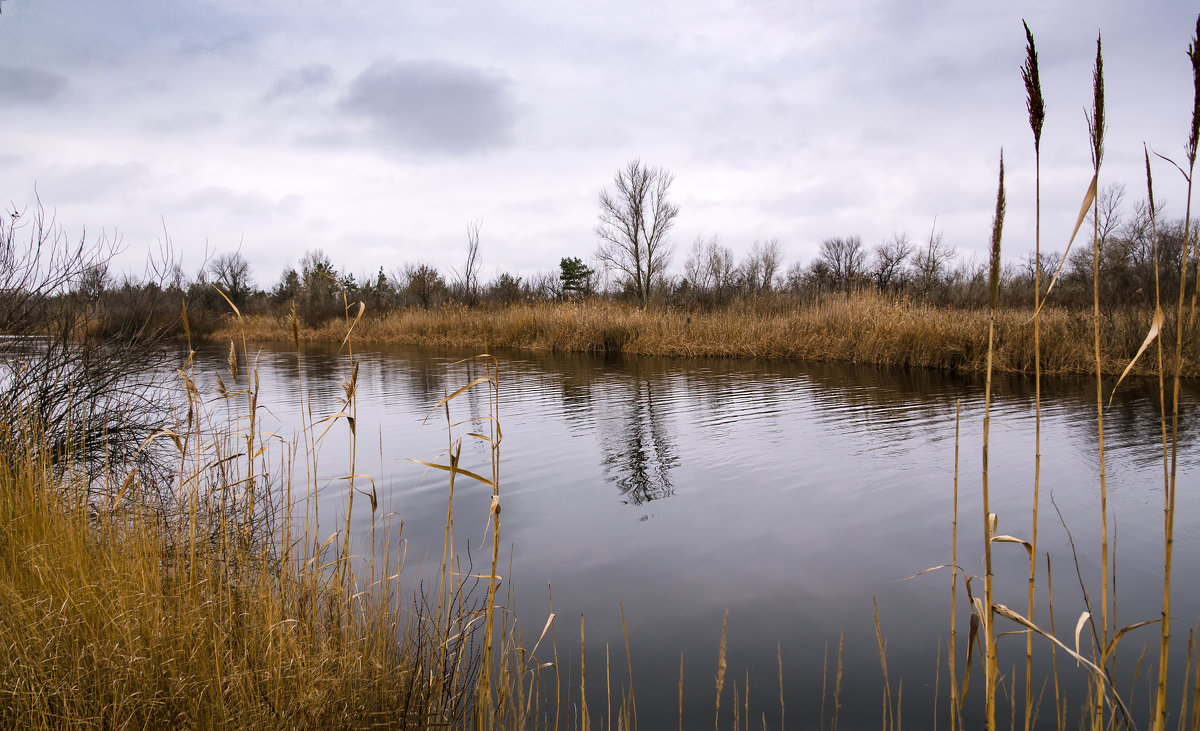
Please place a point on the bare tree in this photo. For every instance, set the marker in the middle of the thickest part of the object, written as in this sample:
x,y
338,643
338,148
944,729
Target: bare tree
x,y
469,277
1108,204
761,266
633,227
890,257
932,262
794,279
231,272
694,270
846,259
710,268
543,285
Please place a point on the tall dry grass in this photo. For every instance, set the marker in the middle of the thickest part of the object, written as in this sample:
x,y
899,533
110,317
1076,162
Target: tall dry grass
x,y
119,615
863,328
227,607
222,605
1105,707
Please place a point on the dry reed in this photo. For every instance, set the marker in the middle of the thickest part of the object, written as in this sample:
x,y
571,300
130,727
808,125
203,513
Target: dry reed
x,y
1036,106
862,328
987,614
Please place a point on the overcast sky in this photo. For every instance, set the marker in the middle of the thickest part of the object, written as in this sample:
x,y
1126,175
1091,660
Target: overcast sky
x,y
378,130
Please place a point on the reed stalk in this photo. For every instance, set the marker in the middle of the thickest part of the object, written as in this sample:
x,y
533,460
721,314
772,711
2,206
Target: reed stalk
x,y
779,658
493,382
1036,106
585,721
632,700
1096,128
1190,150
890,718
988,614
955,702
837,681
1059,702
721,672
681,691
1160,700
349,412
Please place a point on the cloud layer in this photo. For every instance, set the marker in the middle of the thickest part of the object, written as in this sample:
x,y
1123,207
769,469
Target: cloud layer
x,y
378,131
431,106
29,85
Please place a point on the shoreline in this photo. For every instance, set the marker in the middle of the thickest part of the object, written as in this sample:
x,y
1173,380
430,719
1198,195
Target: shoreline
x,y
862,329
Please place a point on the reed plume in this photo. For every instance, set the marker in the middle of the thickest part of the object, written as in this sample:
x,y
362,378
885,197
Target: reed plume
x,y
1036,105
1096,128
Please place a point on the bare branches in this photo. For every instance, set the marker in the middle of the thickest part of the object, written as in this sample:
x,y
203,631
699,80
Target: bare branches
x,y
231,272
78,367
846,260
634,222
468,278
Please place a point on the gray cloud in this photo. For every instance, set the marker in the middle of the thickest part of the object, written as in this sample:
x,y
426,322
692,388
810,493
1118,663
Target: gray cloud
x,y
101,181
184,122
313,77
220,46
433,106
25,84
246,203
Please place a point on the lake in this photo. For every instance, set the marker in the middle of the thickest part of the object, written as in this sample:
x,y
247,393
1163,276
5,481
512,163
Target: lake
x,y
788,494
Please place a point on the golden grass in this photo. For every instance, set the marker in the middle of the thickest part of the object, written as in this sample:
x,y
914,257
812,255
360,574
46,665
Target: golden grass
x,y
213,603
863,328
104,622
119,610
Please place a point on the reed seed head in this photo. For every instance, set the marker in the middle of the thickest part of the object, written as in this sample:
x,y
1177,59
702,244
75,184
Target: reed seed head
x,y
232,361
1149,180
1033,88
1194,55
1095,119
997,226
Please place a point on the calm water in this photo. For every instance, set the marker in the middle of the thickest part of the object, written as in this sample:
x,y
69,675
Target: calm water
x,y
787,494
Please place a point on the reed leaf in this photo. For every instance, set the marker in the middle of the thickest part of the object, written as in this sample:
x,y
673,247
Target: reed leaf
x,y
1088,199
1013,539
358,316
1155,328
455,470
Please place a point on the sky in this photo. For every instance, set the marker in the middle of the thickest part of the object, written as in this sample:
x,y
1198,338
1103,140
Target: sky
x,y
379,131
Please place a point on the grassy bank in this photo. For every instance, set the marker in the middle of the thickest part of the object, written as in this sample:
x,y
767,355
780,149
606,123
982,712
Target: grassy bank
x,y
863,328
218,598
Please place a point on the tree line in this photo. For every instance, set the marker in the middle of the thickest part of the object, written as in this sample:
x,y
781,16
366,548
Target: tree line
x,y
633,261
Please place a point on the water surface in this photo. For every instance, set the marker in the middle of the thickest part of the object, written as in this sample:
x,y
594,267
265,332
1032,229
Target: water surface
x,y
789,495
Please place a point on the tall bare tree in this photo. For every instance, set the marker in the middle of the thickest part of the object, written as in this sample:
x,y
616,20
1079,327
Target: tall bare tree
x,y
710,268
931,262
846,259
634,221
761,266
890,257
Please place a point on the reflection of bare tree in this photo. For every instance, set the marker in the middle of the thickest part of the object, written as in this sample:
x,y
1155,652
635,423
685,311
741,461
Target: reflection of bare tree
x,y
640,458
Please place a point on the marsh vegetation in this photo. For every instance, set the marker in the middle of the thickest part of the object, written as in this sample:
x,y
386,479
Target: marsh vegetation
x,y
171,556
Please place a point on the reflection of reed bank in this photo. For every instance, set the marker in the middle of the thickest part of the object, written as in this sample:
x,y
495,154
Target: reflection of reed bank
x,y
639,452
